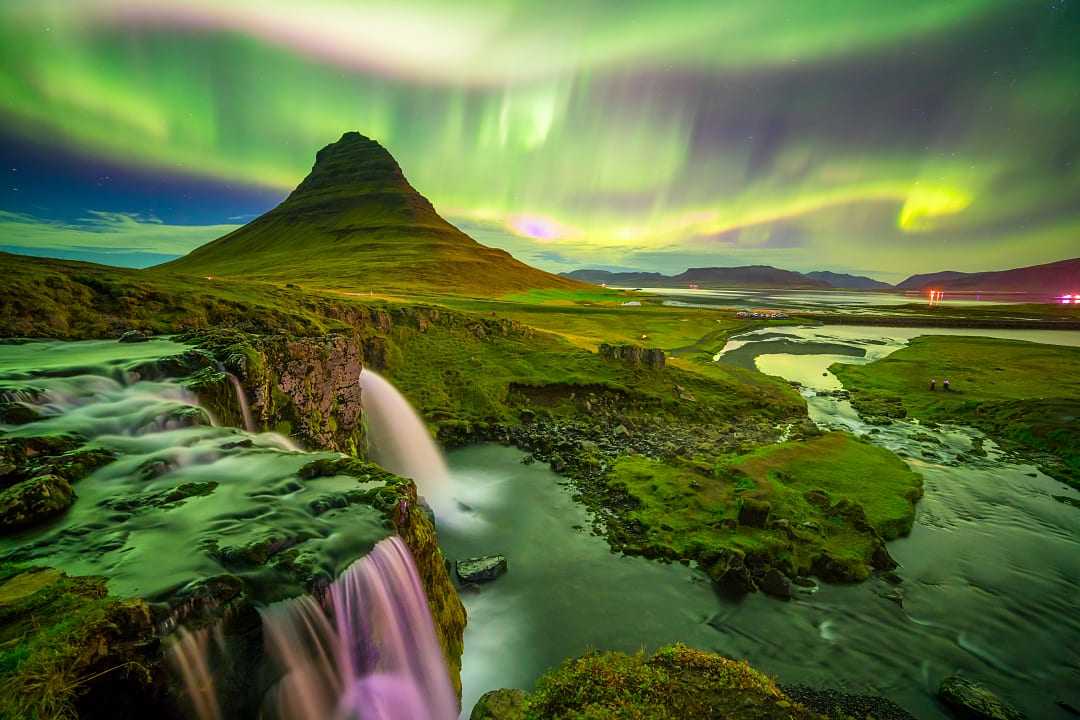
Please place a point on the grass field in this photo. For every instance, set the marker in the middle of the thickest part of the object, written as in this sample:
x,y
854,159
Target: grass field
x,y
1024,395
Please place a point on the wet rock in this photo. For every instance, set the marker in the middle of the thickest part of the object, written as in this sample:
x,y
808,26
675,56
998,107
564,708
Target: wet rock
x,y
831,568
836,704
33,501
775,583
1067,500
895,596
135,336
970,701
754,513
506,704
162,499
17,413
728,570
481,569
174,366
881,559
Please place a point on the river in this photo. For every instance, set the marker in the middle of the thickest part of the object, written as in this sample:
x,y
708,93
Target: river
x,y
990,571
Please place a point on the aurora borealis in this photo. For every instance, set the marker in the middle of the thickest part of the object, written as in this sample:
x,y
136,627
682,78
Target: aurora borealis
x,y
878,138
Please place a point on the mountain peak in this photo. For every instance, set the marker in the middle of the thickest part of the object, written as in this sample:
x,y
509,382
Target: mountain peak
x,y
353,164
355,222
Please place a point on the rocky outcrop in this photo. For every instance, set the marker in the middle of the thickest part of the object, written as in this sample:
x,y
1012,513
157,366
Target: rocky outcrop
x,y
636,355
970,701
306,388
480,569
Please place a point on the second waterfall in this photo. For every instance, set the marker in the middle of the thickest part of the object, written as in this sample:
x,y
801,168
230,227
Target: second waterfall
x,y
398,439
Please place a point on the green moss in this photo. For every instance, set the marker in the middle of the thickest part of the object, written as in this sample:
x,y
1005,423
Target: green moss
x,y
787,505
677,682
1025,396
57,635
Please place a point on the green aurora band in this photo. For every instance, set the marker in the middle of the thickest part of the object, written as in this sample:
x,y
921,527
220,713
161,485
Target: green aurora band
x,y
882,138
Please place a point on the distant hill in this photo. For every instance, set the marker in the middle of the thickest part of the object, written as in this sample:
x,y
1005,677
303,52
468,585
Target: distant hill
x,y
849,282
1051,278
618,279
356,223
753,276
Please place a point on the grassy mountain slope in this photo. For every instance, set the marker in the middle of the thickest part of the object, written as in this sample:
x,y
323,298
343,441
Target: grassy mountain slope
x,y
356,223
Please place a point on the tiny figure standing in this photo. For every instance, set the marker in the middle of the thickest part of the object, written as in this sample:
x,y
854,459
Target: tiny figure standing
x,y
945,384
932,385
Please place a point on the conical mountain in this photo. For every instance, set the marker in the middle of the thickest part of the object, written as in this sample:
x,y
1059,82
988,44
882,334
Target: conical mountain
x,y
356,223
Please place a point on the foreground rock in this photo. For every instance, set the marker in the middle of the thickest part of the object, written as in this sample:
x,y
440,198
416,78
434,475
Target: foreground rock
x,y
676,682
506,704
970,701
481,569
69,650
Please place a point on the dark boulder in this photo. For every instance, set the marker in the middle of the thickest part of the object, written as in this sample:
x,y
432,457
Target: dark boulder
x,y
754,513
727,568
17,413
775,583
481,569
505,704
135,336
970,701
33,501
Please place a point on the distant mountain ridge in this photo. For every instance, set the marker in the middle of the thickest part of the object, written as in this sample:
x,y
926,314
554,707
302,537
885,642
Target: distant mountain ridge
x,y
355,223
747,276
1051,278
848,282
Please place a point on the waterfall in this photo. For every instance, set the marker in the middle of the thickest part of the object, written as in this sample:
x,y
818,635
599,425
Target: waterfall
x,y
368,651
398,439
190,655
241,399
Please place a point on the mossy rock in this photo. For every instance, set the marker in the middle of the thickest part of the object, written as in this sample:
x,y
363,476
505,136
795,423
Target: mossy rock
x,y
677,682
34,501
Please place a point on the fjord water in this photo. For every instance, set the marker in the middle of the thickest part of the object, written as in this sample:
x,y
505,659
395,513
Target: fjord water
x,y
989,573
399,440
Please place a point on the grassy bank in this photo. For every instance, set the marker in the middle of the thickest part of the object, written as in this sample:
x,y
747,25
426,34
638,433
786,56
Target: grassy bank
x,y
1025,396
821,505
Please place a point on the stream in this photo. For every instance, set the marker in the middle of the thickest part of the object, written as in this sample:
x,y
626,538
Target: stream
x,y
990,571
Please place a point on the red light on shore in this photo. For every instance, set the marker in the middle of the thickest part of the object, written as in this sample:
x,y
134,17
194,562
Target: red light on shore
x,y
936,296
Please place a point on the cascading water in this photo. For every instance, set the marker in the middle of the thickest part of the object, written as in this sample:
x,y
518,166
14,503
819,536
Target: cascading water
x,y
237,504
398,439
241,399
190,655
369,650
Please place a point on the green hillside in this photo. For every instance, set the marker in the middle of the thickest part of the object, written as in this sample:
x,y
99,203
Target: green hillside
x,y
355,223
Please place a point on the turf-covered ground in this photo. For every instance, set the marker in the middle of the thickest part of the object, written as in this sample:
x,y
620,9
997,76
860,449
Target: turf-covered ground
x,y
1023,395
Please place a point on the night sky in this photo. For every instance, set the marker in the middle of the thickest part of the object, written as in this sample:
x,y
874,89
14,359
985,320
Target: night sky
x,y
883,138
